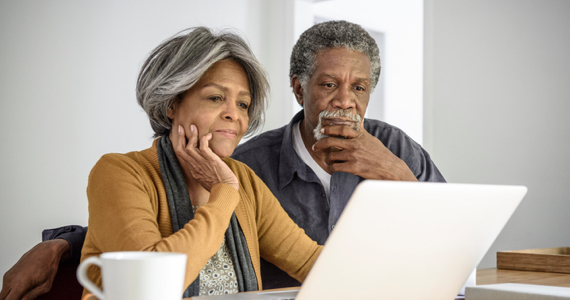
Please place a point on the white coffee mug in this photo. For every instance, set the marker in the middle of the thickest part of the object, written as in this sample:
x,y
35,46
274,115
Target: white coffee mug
x,y
136,275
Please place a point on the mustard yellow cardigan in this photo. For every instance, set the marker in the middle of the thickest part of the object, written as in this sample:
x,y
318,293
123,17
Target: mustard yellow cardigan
x,y
128,211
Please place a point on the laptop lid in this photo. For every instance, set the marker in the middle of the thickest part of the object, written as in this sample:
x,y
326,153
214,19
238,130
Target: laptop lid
x,y
409,240
405,240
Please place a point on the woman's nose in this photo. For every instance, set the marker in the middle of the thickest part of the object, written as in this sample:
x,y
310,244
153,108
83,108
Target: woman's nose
x,y
230,111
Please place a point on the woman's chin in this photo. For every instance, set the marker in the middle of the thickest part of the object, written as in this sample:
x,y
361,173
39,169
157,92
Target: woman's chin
x,y
223,148
224,152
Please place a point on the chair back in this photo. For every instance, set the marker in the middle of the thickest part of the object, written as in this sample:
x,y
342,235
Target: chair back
x,y
65,285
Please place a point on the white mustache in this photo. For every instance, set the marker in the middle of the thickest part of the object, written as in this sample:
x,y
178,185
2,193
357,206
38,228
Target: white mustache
x,y
340,113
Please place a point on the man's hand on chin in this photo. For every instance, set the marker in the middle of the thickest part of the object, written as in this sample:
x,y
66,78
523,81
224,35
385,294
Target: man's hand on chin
x,y
360,153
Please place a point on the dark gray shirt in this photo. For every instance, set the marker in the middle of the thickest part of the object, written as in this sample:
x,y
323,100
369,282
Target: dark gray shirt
x,y
273,158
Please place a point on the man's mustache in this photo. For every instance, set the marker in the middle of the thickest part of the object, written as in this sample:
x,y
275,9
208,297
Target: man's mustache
x,y
339,113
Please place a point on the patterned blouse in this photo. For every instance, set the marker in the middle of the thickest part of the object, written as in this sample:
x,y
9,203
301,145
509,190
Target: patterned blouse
x,y
218,276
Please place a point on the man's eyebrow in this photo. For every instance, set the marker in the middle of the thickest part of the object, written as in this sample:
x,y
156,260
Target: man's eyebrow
x,y
362,79
225,89
328,75
356,79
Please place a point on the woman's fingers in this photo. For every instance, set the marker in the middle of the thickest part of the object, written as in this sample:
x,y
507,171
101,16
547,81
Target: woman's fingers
x,y
205,145
200,162
188,149
180,142
184,150
193,140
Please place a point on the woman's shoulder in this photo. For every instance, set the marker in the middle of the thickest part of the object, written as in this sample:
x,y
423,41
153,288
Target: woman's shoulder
x,y
135,162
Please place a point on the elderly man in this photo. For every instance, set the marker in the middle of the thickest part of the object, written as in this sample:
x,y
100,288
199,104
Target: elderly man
x,y
312,165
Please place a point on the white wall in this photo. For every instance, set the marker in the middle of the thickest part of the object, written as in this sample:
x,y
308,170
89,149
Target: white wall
x,y
497,103
67,80
495,83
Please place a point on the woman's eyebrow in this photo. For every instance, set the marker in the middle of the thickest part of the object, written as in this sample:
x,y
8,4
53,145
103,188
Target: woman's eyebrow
x,y
225,89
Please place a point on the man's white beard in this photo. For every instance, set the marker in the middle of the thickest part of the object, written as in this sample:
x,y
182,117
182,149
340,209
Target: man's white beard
x,y
341,113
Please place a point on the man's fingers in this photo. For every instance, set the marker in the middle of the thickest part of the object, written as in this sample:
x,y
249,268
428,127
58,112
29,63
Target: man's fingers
x,y
338,156
330,142
35,293
342,166
345,131
12,289
14,293
4,291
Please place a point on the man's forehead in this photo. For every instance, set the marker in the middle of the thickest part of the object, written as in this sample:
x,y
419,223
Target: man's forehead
x,y
336,62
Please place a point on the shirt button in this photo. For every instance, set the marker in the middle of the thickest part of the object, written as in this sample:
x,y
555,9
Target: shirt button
x,y
323,195
332,227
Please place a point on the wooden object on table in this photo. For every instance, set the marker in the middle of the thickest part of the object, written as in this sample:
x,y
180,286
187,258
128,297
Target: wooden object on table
x,y
491,276
543,260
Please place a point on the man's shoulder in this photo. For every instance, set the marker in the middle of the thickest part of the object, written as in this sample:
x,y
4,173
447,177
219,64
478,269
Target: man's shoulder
x,y
266,141
382,130
394,138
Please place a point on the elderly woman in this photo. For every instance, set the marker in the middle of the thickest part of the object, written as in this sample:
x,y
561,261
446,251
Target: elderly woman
x,y
202,93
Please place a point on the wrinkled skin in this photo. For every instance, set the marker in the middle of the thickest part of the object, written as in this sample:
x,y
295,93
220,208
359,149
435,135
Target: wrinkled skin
x,y
33,275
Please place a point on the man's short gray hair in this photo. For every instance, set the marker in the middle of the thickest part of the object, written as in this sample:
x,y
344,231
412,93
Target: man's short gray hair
x,y
179,62
332,34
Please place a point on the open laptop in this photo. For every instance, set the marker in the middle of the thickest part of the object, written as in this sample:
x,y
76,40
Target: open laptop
x,y
405,240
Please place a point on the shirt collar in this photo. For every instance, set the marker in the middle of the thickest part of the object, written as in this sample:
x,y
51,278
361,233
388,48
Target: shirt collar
x,y
289,162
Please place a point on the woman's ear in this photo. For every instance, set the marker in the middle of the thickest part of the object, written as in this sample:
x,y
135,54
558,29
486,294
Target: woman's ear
x,y
173,108
297,89
170,113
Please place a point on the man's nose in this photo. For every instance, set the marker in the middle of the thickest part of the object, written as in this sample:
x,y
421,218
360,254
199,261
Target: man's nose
x,y
344,98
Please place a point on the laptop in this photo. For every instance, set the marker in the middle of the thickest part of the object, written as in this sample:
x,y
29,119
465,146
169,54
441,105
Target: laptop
x,y
404,240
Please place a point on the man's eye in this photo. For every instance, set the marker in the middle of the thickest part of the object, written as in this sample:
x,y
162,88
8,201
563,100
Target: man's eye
x,y
359,88
329,85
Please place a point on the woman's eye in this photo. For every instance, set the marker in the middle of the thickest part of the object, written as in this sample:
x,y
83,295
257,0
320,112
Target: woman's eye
x,y
244,105
215,98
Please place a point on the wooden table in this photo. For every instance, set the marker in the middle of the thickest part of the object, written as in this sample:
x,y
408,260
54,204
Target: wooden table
x,y
490,276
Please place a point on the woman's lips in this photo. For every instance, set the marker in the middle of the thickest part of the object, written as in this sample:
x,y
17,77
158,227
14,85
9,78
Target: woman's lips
x,y
229,133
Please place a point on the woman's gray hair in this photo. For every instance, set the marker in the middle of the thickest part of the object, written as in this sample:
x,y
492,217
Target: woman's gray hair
x,y
332,34
179,62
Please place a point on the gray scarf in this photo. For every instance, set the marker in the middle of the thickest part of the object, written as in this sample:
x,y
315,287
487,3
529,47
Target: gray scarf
x,y
181,213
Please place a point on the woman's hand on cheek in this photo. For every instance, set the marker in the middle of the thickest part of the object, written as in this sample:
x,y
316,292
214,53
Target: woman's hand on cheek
x,y
201,162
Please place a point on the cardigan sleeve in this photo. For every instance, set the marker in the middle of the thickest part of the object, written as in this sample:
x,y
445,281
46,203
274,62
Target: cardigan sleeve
x,y
123,209
281,241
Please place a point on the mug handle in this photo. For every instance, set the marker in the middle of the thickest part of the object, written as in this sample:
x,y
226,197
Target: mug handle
x,y
82,276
